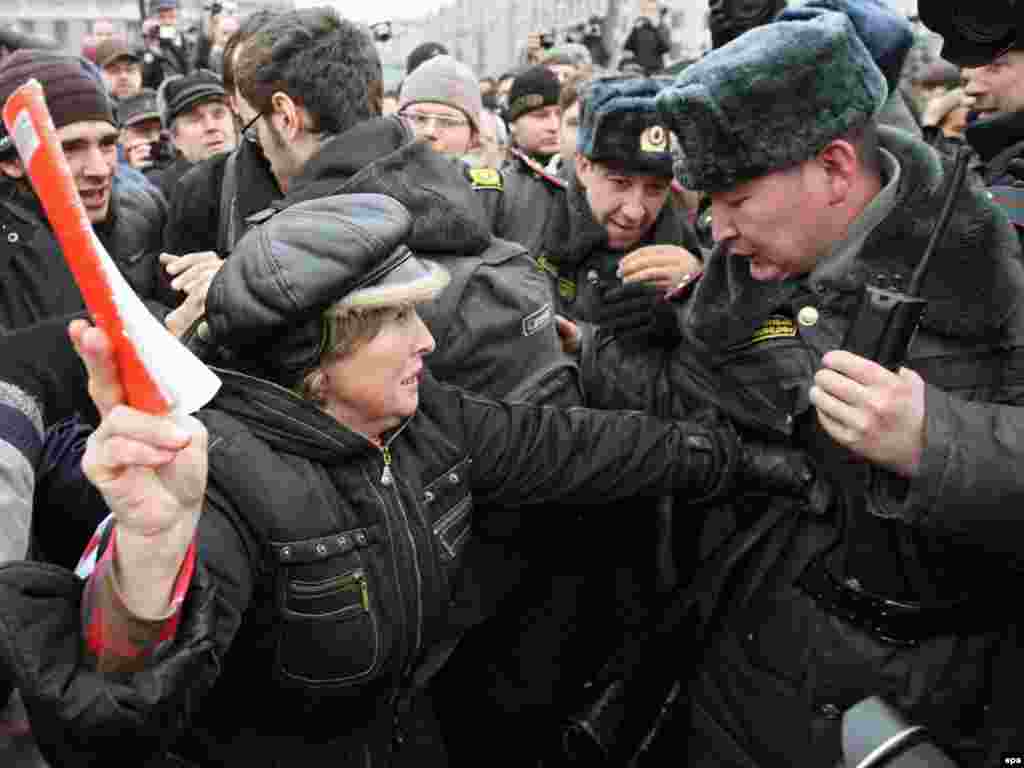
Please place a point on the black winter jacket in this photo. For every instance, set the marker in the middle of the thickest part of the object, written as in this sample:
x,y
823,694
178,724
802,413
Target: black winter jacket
x,y
557,226
494,324
325,566
35,280
786,660
195,203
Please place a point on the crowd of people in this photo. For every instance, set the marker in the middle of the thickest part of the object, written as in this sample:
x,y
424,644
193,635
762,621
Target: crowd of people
x,y
572,416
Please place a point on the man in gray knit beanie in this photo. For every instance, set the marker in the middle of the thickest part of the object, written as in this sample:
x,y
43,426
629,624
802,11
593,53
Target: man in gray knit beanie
x,y
442,101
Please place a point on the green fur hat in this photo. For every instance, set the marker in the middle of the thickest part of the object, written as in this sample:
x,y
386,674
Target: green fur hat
x,y
772,98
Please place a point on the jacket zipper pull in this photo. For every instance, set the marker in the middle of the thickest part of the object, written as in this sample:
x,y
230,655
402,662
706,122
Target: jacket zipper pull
x,y
364,591
385,477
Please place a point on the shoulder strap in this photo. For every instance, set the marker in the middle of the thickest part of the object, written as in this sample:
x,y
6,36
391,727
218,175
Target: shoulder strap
x,y
229,228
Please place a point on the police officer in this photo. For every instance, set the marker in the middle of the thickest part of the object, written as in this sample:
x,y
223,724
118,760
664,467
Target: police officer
x,y
890,592
591,234
987,42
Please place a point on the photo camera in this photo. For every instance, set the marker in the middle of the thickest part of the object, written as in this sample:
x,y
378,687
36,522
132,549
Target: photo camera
x,y
381,31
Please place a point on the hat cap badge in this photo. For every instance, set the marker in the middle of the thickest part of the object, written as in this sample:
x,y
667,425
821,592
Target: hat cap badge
x,y
654,139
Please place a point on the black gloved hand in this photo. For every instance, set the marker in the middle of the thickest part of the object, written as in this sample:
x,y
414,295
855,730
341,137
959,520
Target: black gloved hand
x,y
780,469
635,312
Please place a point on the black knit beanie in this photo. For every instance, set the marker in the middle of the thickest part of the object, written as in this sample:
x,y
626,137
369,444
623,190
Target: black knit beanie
x,y
74,92
535,88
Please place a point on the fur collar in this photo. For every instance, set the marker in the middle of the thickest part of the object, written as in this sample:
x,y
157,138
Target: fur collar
x,y
574,234
972,281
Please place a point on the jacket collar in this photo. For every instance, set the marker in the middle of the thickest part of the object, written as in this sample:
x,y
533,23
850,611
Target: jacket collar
x,y
574,234
290,424
990,136
382,156
23,203
970,286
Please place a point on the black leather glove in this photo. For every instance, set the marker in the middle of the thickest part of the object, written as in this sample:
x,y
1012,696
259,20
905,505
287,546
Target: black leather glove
x,y
635,312
780,469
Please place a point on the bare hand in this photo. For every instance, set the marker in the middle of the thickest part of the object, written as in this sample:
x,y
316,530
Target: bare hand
x,y
664,266
569,333
190,310
150,470
192,270
138,154
940,106
872,411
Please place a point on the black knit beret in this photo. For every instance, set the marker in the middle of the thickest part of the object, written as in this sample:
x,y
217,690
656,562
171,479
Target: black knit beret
x,y
532,89
73,90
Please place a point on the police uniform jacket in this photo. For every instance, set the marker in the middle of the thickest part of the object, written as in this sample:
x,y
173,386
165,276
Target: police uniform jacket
x,y
554,221
899,590
35,280
494,324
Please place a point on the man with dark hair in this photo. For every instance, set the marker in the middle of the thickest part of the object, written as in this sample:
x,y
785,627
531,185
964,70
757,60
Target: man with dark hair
x,y
887,592
280,73
211,201
35,280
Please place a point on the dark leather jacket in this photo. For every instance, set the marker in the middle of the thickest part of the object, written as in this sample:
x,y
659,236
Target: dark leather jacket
x,y
494,324
325,568
35,280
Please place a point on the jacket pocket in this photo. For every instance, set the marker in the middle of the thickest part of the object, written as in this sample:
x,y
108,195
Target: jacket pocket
x,y
331,633
449,504
453,528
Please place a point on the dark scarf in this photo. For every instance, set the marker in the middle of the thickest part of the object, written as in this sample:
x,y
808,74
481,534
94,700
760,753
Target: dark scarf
x,y
574,235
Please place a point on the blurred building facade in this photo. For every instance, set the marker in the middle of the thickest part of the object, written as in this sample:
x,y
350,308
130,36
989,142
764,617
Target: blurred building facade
x,y
491,37
69,22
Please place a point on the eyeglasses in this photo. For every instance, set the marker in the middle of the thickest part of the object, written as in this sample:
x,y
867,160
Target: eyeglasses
x,y
249,130
422,120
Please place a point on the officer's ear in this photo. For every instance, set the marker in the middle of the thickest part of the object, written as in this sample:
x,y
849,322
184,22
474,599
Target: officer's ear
x,y
584,167
12,168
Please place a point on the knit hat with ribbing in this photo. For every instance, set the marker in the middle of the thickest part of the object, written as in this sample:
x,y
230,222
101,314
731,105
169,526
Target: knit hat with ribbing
x,y
74,93
443,80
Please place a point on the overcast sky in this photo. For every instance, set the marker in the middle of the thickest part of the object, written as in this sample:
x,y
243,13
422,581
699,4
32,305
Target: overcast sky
x,y
379,10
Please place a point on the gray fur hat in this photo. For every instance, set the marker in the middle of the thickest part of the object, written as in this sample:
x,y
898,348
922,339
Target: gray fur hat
x,y
772,98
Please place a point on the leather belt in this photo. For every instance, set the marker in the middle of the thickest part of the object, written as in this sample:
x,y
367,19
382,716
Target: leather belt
x,y
892,621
